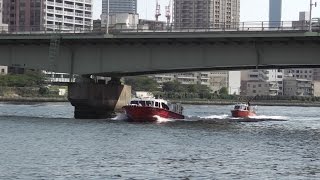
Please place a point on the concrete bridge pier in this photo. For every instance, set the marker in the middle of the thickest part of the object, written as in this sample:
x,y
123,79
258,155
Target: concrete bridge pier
x,y
98,100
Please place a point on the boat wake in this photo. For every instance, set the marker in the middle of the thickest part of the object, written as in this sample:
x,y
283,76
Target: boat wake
x,y
217,118
163,120
120,117
228,118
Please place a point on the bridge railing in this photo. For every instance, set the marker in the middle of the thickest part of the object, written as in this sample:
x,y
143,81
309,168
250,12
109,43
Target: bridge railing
x,y
217,27
165,27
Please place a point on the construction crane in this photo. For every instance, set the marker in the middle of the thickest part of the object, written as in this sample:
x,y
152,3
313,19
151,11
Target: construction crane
x,y
157,11
168,13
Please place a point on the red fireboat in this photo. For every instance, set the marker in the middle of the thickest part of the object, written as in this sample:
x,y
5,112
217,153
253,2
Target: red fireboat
x,y
147,110
243,111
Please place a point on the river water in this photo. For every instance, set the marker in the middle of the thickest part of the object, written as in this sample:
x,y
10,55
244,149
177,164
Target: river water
x,y
43,141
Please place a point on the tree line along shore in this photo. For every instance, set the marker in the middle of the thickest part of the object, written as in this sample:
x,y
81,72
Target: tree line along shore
x,y
33,87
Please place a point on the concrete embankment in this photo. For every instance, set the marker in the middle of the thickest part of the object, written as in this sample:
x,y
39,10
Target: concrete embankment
x,y
191,102
259,103
33,99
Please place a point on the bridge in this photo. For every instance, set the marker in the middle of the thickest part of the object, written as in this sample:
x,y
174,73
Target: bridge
x,y
130,52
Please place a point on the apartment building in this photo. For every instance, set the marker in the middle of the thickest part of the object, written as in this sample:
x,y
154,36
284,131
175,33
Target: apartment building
x,y
3,27
206,13
300,73
298,87
34,15
215,80
253,80
254,88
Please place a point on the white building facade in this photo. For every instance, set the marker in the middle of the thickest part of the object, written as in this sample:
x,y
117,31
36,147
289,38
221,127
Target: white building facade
x,y
68,14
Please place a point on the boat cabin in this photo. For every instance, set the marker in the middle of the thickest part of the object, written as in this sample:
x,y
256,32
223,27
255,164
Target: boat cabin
x,y
241,107
159,103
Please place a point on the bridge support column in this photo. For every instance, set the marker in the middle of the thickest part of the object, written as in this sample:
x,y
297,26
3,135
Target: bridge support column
x,y
94,100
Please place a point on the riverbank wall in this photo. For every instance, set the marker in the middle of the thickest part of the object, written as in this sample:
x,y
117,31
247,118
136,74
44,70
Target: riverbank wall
x,y
190,102
33,99
254,103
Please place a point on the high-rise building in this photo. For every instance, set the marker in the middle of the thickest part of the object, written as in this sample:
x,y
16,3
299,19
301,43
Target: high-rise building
x,y
275,13
33,15
206,13
3,27
119,6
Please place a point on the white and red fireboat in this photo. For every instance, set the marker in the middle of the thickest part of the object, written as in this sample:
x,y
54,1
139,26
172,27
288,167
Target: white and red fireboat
x,y
243,111
147,110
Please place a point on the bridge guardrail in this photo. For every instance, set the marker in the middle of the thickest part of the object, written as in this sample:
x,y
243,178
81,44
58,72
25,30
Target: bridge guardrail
x,y
164,27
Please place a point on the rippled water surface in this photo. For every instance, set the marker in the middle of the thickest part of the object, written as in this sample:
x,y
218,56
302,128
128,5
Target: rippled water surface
x,y
43,141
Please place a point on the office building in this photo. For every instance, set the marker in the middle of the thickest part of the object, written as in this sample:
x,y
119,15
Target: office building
x,y
275,13
119,6
206,13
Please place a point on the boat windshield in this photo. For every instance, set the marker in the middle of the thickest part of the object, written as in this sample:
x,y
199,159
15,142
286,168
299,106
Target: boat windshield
x,y
237,107
142,103
241,107
149,103
134,103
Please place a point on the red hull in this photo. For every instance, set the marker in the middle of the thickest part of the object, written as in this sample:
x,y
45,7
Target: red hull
x,y
239,113
145,113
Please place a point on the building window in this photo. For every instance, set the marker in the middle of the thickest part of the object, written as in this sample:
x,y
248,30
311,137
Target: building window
x,y
2,71
254,91
259,85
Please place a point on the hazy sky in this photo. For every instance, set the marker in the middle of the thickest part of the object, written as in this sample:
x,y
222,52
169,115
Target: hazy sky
x,y
251,10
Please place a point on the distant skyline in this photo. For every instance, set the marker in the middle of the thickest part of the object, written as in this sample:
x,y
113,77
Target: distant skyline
x,y
251,10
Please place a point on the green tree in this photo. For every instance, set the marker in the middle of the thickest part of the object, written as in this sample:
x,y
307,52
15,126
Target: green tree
x,y
29,79
223,91
142,83
173,86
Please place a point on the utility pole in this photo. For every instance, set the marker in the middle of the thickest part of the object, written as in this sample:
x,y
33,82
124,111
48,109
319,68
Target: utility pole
x,y
310,15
